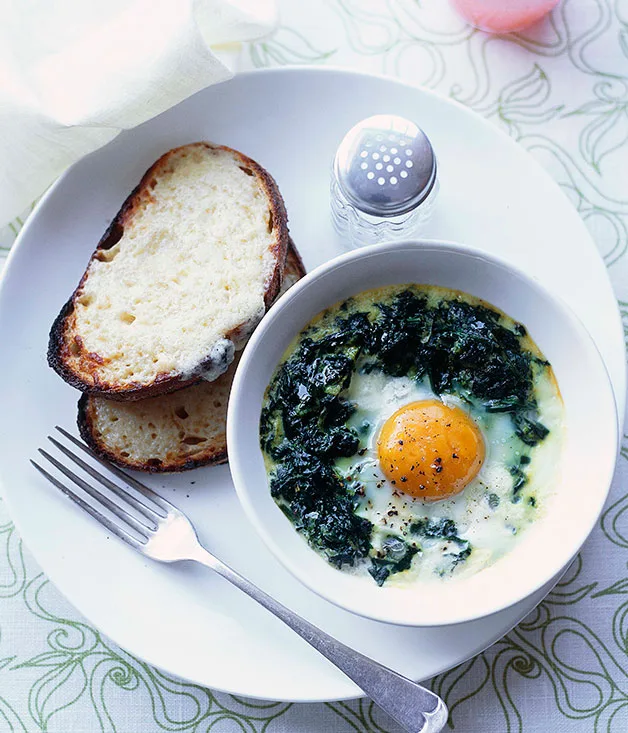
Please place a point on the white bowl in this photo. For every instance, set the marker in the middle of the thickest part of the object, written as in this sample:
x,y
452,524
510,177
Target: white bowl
x,y
586,463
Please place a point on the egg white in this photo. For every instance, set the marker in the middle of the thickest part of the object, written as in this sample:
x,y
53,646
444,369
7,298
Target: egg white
x,y
484,512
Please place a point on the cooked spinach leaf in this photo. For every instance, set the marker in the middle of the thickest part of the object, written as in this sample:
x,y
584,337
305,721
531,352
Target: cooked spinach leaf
x,y
395,556
318,503
444,529
529,430
439,529
303,429
460,556
520,478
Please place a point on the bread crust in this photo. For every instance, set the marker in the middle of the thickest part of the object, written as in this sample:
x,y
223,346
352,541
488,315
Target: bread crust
x,y
214,454
295,269
62,340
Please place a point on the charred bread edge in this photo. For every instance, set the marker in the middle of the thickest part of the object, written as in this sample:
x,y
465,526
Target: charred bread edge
x,y
165,383
86,430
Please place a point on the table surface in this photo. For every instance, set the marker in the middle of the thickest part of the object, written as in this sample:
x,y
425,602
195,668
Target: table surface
x,y
559,89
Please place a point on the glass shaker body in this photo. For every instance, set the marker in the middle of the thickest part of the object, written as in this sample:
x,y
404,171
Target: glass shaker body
x,y
358,228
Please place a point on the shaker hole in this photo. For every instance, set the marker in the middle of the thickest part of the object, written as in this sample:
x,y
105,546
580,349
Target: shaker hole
x,y
382,148
363,154
409,164
386,158
402,143
370,175
393,180
364,166
381,181
403,174
390,168
408,151
375,156
396,161
378,166
393,151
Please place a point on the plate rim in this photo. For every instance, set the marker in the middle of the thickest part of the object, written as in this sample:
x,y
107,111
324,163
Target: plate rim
x,y
315,71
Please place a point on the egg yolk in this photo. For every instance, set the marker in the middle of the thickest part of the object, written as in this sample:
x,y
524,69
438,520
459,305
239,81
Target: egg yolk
x,y
430,450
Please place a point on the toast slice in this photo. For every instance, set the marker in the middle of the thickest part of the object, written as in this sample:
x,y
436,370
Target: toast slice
x,y
173,432
182,276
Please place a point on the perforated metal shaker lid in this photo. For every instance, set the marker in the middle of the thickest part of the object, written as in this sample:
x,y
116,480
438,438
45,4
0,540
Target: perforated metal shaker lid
x,y
385,165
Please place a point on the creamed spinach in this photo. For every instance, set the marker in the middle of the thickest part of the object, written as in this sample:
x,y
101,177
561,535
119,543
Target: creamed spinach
x,y
406,331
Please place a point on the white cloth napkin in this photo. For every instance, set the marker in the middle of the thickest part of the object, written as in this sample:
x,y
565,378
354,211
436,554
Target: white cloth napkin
x,y
74,73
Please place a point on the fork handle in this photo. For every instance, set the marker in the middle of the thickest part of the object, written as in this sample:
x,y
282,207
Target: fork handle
x,y
415,708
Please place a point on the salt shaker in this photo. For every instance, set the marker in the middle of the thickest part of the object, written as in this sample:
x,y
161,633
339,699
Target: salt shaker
x,y
384,181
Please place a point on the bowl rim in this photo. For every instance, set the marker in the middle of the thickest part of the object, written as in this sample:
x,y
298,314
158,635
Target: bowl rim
x,y
238,462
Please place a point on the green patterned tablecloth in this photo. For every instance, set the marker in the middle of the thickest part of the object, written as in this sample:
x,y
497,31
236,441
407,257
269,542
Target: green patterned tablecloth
x,y
561,90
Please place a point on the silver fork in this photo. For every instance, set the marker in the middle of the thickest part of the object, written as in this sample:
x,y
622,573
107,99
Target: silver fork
x,y
160,531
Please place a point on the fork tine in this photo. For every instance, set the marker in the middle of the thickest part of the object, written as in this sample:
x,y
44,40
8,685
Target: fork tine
x,y
105,521
147,513
144,491
141,529
153,496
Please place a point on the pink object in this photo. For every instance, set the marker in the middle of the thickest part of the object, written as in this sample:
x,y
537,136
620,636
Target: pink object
x,y
503,16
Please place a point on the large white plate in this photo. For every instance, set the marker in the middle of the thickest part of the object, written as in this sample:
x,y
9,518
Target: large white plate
x,y
182,618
